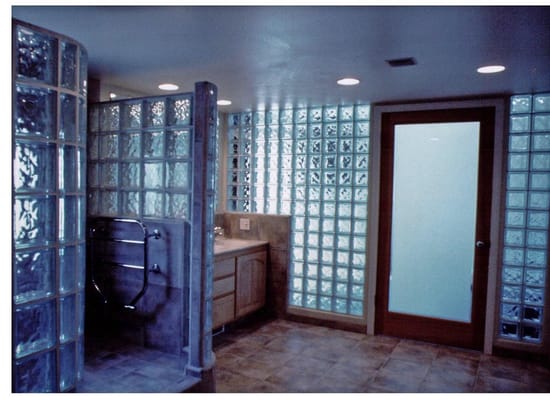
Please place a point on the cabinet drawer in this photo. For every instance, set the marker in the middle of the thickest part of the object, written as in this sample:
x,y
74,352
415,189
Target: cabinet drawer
x,y
224,286
223,311
224,267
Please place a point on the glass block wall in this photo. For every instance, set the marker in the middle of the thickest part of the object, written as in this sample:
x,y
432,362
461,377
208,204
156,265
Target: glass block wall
x,y
311,163
139,158
49,203
525,253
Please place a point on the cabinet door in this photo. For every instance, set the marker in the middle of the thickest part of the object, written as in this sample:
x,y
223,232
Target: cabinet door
x,y
251,277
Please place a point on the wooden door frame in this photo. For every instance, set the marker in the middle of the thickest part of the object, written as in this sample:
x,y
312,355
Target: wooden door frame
x,y
498,187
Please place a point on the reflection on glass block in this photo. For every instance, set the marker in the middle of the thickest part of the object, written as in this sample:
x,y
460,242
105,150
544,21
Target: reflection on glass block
x,y
513,256
36,374
540,162
359,260
362,112
508,329
537,239
346,146
510,312
518,162
93,147
93,202
534,277
515,218
520,104
108,146
130,145
297,284
311,286
315,114
68,168
178,143
541,142
154,113
68,65
109,203
520,123
541,103
67,364
93,118
511,293
131,115
130,203
34,276
311,301
36,56
67,217
153,204
109,174
67,128
537,219
340,305
34,220
35,112
298,253
514,237
34,328
80,169
531,333
532,314
539,200
67,268
357,275
359,243
179,111
357,291
109,118
541,122
33,166
517,181
296,299
533,296
325,303
153,144
512,275
153,175
342,289
285,116
362,145
516,200
67,318
177,205
356,307
81,224
300,116
130,175
519,143
258,117
81,312
82,116
536,258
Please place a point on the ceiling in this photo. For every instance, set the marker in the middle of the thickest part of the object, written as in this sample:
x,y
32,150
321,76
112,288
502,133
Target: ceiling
x,y
275,56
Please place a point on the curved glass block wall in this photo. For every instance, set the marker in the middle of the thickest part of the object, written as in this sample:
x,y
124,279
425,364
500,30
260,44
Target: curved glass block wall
x,y
49,209
311,163
525,253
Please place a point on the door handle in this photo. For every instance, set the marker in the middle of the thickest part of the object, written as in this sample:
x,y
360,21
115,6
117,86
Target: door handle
x,y
480,244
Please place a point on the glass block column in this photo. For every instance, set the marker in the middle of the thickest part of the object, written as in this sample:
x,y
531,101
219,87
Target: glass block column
x,y
311,163
49,207
140,158
525,253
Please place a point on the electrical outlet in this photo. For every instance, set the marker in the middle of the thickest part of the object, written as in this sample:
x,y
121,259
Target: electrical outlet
x,y
244,224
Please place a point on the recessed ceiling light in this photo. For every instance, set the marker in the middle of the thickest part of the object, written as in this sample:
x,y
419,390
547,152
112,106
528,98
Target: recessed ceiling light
x,y
491,69
347,81
112,96
223,102
168,86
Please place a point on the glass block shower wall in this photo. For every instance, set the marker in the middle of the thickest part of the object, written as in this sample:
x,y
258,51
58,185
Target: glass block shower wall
x,y
49,200
525,253
139,161
311,163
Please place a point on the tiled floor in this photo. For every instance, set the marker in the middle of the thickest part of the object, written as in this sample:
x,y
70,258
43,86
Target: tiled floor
x,y
283,356
115,366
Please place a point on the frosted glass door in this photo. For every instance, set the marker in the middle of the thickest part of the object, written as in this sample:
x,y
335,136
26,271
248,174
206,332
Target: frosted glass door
x,y
433,224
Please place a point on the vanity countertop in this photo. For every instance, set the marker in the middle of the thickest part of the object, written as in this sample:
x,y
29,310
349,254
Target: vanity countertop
x,y
227,246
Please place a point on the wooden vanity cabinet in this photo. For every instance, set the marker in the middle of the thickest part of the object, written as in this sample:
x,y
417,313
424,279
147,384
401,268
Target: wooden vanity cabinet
x,y
239,285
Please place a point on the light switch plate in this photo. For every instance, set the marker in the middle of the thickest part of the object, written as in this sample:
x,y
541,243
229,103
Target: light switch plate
x,y
244,224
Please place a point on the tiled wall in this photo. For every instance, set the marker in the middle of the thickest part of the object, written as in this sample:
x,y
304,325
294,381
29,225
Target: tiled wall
x,y
276,230
525,253
49,210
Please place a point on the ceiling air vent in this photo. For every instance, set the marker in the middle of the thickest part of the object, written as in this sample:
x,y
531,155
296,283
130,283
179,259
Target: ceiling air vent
x,y
401,62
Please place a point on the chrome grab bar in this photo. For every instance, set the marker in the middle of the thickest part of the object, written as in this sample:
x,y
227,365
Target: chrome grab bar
x,y
155,267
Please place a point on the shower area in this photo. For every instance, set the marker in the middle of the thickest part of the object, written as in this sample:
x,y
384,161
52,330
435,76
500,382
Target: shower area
x,y
113,209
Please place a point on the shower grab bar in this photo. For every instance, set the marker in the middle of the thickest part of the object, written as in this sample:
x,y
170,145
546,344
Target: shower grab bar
x,y
155,268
